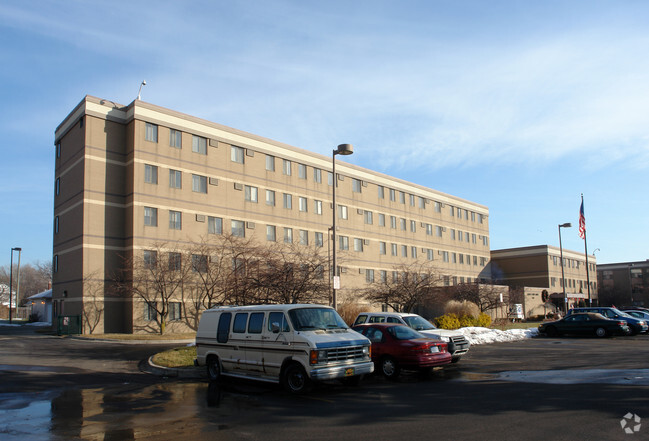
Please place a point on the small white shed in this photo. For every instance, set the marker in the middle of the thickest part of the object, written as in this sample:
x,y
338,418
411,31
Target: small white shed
x,y
41,304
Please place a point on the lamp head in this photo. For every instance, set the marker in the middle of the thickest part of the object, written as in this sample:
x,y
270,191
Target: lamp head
x,y
344,149
16,249
566,225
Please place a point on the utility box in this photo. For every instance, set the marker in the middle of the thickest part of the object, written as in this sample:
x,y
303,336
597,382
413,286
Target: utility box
x,y
516,312
68,325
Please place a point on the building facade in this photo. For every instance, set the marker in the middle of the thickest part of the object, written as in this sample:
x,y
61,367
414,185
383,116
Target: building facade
x,y
624,284
540,267
128,177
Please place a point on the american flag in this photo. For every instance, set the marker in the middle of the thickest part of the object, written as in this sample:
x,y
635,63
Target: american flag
x,y
582,222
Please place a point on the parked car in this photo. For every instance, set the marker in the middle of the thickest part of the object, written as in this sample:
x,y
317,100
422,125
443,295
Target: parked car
x,y
637,325
396,346
587,323
642,315
288,344
458,345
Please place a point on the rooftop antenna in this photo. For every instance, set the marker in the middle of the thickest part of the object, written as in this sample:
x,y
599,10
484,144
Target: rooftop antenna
x,y
139,92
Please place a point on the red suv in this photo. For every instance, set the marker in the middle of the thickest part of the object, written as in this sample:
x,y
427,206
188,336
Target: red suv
x,y
396,346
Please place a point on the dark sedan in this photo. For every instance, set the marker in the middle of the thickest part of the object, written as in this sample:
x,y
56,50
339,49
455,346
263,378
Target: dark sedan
x,y
588,323
396,346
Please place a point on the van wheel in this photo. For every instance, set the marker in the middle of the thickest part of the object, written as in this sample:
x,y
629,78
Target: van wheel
x,y
295,379
601,332
389,368
213,368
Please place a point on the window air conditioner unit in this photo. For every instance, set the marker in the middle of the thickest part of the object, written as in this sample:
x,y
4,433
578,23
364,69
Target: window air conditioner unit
x,y
238,186
250,225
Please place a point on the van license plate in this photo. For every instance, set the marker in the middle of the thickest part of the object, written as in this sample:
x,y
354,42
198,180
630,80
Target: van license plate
x,y
349,372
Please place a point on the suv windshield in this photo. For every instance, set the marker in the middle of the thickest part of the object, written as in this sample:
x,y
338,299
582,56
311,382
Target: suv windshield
x,y
418,323
308,319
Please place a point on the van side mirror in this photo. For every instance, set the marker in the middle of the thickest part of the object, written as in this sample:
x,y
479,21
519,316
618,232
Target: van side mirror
x,y
274,327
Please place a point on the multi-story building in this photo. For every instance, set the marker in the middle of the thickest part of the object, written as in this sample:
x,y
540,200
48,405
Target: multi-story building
x,y
540,267
131,176
624,283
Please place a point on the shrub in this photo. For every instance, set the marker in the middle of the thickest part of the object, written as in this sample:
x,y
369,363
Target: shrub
x,y
466,321
461,308
348,311
448,321
483,320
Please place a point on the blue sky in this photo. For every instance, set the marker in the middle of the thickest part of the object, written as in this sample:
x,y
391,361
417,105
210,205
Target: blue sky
x,y
518,105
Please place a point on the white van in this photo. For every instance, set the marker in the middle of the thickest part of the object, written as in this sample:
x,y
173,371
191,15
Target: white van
x,y
289,344
458,345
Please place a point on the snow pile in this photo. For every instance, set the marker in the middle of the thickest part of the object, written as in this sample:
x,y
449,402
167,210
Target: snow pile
x,y
479,336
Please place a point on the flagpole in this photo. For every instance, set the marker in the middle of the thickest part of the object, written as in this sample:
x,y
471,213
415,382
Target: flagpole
x,y
581,215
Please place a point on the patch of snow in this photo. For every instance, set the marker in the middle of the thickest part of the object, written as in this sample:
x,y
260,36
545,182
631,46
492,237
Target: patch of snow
x,y
479,336
39,324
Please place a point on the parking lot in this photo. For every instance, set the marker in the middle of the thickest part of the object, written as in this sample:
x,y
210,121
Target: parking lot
x,y
57,388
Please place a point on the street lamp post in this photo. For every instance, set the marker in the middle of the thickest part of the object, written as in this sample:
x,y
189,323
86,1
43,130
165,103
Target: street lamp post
x,y
563,279
343,149
11,278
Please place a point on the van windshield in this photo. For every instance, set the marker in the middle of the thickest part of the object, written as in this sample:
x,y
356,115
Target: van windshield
x,y
418,323
308,319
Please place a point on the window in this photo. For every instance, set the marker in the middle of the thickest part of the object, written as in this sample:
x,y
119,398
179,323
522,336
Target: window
x,y
393,249
356,185
319,242
199,184
413,226
175,220
55,264
412,200
453,234
393,222
480,218
278,318
429,229
288,201
270,163
175,261
302,204
150,216
402,224
402,197
445,256
422,202
214,225
358,245
430,255
58,149
301,171
343,242
151,132
317,175
270,198
413,252
236,154
451,210
485,241
453,257
251,193
303,237
56,225
317,207
381,191
271,233
369,275
150,313
175,179
438,231
466,237
460,235
381,220
199,263
175,138
199,145
474,238
256,323
472,216
240,322
461,258
174,311
57,186
382,248
342,211
150,258
368,217
288,235
238,228
286,167
438,207
393,195
330,178
150,174
223,328
404,251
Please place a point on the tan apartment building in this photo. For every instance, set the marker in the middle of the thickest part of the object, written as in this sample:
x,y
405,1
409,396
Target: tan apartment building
x,y
540,267
130,176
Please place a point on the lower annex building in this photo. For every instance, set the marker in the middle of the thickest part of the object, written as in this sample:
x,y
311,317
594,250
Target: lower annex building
x,y
129,177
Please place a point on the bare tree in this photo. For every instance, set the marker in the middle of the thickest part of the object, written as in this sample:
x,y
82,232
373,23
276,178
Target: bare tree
x,y
290,273
156,278
34,278
93,302
487,297
407,286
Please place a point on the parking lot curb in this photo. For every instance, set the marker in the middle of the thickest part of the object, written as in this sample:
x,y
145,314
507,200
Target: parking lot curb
x,y
189,372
